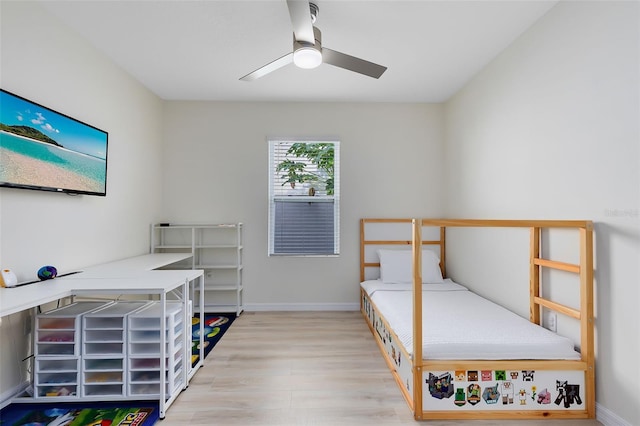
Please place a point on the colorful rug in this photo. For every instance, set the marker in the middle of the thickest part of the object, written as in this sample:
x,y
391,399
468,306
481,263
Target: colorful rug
x,y
215,325
139,413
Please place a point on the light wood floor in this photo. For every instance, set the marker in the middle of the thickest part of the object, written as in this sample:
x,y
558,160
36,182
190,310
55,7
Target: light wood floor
x,y
301,368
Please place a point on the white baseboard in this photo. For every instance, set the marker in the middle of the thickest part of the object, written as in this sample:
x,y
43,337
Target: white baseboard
x,y
608,417
264,307
9,394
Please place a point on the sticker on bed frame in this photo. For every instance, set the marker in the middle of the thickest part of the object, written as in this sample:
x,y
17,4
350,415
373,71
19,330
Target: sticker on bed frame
x,y
522,396
440,386
506,392
517,390
490,394
544,397
474,393
569,394
396,356
527,375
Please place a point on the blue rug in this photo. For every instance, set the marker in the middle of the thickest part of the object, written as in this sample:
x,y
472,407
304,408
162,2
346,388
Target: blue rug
x,y
139,413
215,325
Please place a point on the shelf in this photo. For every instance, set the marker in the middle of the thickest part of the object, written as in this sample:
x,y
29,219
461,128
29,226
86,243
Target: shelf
x,y
217,250
216,287
185,247
205,267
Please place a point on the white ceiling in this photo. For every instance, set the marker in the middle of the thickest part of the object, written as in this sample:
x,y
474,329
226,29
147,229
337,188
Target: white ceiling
x,y
198,49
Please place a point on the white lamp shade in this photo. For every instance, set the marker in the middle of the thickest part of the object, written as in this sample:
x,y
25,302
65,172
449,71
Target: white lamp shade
x,y
307,57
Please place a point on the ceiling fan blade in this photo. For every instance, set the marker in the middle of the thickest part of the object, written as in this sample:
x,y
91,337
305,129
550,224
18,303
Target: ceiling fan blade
x,y
270,67
352,63
300,14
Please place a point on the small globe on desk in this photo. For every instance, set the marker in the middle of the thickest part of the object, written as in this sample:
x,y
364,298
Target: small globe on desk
x,y
47,272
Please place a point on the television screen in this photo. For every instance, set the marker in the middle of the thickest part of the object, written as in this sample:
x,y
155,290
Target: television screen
x,y
46,150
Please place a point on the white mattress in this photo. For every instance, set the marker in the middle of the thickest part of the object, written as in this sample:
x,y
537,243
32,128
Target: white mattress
x,y
459,324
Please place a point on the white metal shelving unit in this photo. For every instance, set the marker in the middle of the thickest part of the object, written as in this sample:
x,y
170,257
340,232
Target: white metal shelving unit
x,y
217,249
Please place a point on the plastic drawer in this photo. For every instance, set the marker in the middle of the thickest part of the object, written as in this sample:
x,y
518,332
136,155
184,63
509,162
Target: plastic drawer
x,y
58,365
100,364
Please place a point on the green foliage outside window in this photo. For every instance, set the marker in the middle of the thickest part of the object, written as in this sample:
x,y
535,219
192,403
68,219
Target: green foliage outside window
x,y
320,154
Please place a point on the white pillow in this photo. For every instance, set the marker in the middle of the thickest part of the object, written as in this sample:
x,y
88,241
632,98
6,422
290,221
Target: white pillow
x,y
396,268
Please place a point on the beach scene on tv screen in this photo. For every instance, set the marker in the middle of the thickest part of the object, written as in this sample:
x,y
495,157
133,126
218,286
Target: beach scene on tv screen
x,y
45,149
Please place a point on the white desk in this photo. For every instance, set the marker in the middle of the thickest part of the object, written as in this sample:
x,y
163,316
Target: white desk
x,y
14,300
134,275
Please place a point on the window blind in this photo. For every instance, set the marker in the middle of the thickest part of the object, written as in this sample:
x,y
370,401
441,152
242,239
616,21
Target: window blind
x,y
304,198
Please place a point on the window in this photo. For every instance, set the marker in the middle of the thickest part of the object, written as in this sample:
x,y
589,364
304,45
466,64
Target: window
x,y
304,198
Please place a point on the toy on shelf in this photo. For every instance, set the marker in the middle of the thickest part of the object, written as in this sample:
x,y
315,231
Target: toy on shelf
x,y
47,272
8,278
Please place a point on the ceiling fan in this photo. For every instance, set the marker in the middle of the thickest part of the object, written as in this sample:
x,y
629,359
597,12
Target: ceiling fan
x,y
307,47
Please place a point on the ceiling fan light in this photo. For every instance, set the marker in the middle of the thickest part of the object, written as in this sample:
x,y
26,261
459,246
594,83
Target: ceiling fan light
x,y
307,57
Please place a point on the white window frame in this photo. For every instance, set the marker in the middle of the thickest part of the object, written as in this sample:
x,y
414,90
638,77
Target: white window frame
x,y
278,193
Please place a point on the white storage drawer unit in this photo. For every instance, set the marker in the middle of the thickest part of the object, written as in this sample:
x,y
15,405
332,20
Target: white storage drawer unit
x,y
144,350
104,349
58,350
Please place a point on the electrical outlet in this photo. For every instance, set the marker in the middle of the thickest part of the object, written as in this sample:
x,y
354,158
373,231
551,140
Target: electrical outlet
x,y
551,321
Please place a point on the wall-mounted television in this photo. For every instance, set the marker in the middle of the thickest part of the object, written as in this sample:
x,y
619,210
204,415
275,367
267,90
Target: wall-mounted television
x,y
49,151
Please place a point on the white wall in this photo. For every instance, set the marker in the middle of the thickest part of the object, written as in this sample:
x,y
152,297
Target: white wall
x,y
215,170
43,61
550,130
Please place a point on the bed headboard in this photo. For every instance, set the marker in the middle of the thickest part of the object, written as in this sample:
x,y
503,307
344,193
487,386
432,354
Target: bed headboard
x,y
381,233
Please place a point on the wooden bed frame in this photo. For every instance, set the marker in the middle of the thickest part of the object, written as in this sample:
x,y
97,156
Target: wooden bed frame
x,y
578,403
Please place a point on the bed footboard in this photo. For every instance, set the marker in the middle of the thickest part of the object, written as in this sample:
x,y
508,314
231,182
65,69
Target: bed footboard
x,y
481,389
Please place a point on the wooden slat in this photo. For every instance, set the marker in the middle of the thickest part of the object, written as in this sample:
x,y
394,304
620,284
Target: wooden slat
x,y
443,252
397,242
566,310
569,267
390,220
507,414
500,223
586,321
492,223
362,264
387,242
417,319
534,276
527,364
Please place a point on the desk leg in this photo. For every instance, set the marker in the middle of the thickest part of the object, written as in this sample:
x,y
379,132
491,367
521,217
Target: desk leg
x,y
201,308
186,354
163,355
